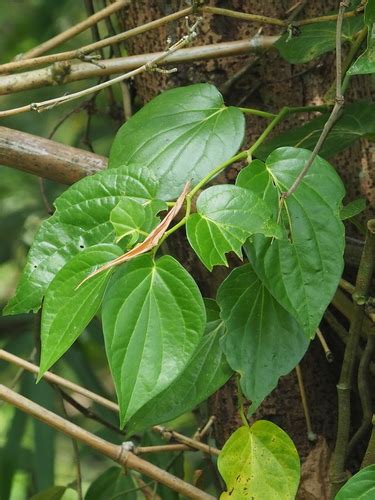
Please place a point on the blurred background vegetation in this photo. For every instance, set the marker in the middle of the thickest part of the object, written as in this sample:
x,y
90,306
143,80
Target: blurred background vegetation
x,y
33,457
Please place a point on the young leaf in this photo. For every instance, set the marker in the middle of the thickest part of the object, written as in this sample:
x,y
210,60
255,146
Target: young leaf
x,y
353,208
180,135
153,320
205,373
51,493
68,310
226,216
259,462
303,271
263,341
313,40
150,241
134,220
80,221
360,486
356,121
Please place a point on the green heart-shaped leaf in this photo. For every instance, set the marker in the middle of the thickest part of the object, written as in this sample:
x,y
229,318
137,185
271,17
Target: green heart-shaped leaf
x,y
180,135
153,321
226,216
67,310
302,271
263,341
135,220
81,220
205,373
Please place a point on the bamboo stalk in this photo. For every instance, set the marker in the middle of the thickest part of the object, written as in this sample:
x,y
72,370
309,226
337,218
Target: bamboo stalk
x,y
74,30
117,453
56,379
71,72
47,159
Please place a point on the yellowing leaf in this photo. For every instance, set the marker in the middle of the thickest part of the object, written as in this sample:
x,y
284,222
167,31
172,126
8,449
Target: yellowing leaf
x,y
259,463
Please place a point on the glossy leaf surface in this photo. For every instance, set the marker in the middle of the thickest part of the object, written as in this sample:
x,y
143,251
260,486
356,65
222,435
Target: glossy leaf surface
x,y
135,220
259,462
68,310
359,487
204,374
263,341
81,220
356,121
313,40
226,216
180,135
153,321
295,268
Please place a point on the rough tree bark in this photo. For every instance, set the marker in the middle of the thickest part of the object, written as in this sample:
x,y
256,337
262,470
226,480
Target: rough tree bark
x,y
268,83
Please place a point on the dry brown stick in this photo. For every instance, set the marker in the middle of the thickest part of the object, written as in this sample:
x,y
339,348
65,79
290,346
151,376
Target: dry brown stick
x,y
87,49
73,31
57,101
270,20
47,159
9,84
56,379
311,436
117,453
326,349
161,448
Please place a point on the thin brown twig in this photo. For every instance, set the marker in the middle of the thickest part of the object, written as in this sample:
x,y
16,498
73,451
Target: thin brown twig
x,y
326,349
9,84
271,20
339,103
87,49
311,436
72,31
106,403
120,454
50,103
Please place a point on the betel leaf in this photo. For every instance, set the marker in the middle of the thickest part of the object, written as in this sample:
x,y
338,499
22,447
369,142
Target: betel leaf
x,y
313,40
357,121
81,220
205,373
135,220
67,310
180,135
263,341
359,487
365,64
113,483
302,271
226,216
153,320
259,462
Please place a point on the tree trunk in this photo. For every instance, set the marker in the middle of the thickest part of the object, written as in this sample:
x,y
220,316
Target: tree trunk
x,y
269,83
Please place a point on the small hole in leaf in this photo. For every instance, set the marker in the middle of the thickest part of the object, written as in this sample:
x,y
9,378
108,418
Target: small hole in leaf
x,y
81,246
